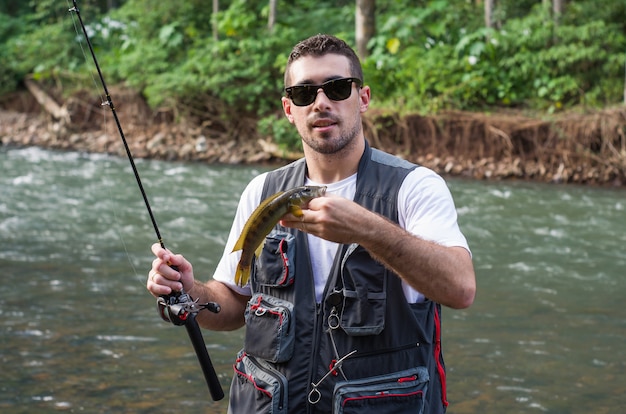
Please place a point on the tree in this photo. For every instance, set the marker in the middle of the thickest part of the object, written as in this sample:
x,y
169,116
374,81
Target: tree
x,y
557,11
365,25
214,22
557,6
489,5
271,18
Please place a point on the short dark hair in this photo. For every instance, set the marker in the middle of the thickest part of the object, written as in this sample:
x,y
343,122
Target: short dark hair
x,y
320,45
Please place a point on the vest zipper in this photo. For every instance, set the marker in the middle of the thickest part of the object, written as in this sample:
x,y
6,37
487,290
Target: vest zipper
x,y
440,368
386,351
280,378
317,326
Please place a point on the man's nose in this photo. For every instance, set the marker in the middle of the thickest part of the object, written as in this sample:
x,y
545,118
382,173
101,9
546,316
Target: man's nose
x,y
321,99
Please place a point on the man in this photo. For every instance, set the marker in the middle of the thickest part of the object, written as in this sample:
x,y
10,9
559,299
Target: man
x,y
342,310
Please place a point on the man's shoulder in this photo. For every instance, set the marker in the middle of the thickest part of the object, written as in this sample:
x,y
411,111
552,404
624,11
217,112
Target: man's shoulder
x,y
391,160
289,169
290,175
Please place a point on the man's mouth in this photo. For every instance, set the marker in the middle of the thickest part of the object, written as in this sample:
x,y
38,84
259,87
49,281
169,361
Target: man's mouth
x,y
323,123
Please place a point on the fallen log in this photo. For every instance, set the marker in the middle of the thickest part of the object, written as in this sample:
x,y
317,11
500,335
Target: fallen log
x,y
47,102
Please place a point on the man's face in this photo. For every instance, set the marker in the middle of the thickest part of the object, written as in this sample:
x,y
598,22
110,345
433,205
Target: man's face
x,y
326,126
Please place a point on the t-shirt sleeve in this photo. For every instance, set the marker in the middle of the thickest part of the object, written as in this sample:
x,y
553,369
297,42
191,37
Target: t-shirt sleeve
x,y
250,199
426,209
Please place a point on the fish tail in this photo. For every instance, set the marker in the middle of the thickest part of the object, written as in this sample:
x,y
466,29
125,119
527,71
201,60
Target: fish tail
x,y
242,275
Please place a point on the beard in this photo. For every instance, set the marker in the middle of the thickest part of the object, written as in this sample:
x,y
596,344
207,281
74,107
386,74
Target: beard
x,y
327,143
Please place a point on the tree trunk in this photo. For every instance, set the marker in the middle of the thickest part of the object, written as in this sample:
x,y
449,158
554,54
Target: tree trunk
x,y
216,9
557,10
365,25
489,4
271,19
557,7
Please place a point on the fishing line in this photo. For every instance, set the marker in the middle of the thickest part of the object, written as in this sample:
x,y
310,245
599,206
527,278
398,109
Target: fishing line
x,y
93,78
109,102
177,307
106,130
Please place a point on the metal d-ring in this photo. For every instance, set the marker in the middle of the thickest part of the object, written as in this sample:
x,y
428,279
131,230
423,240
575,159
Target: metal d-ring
x,y
333,319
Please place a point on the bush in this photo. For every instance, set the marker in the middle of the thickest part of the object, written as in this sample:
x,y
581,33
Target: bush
x,y
427,57
530,61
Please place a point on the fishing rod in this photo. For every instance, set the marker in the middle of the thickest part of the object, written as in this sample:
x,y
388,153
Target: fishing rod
x,y
177,307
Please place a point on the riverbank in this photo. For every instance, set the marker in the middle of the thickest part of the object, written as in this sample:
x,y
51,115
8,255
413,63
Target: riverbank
x,y
582,148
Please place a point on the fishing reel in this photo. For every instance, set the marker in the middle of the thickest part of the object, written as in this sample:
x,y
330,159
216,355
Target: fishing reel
x,y
176,308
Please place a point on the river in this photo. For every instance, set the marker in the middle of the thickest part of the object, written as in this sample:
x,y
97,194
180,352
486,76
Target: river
x,y
79,332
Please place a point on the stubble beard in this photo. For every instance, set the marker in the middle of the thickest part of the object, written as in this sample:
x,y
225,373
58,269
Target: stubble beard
x,y
327,145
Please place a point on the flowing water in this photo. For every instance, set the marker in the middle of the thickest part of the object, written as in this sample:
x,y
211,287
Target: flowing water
x,y
79,332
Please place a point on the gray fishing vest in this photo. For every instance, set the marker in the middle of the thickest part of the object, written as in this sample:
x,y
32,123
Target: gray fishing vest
x,y
298,355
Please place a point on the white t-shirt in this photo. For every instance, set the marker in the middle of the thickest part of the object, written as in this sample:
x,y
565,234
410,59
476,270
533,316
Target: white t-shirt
x,y
425,208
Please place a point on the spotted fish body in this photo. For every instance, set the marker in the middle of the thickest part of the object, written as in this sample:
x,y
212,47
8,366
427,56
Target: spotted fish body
x,y
264,218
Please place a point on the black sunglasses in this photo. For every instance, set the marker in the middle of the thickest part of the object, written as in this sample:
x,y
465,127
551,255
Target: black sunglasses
x,y
335,89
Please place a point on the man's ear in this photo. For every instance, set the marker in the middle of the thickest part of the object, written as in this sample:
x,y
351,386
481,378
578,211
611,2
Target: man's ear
x,y
287,108
365,96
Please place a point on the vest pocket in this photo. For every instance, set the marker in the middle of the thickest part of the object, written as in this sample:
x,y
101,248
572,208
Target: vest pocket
x,y
270,328
275,266
257,387
364,293
397,393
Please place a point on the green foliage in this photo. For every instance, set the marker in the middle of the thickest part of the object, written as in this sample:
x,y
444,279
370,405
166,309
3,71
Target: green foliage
x,y
561,66
47,44
180,60
9,77
283,133
413,60
427,55
42,53
530,61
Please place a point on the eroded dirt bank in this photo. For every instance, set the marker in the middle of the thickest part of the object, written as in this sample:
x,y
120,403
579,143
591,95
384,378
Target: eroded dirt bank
x,y
584,148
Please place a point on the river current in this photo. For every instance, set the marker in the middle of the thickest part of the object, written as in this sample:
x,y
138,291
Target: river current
x,y
79,332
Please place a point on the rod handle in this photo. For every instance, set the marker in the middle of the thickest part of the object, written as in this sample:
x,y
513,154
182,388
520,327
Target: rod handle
x,y
195,335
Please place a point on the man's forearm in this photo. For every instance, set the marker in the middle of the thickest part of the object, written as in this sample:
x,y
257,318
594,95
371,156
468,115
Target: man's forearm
x,y
231,303
443,274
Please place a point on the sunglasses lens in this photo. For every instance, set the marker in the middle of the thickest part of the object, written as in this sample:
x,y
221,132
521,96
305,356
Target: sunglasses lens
x,y
336,90
303,95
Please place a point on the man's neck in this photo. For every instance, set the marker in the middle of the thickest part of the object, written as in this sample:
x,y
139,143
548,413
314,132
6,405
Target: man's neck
x,y
330,168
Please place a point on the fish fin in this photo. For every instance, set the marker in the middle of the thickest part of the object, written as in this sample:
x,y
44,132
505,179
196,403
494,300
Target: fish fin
x,y
259,249
239,244
296,210
244,233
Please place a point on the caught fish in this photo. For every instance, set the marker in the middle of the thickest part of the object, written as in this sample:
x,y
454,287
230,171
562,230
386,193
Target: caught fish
x,y
264,218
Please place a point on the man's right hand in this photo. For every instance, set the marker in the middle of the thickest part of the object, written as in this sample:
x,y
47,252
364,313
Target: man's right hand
x,y
170,272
